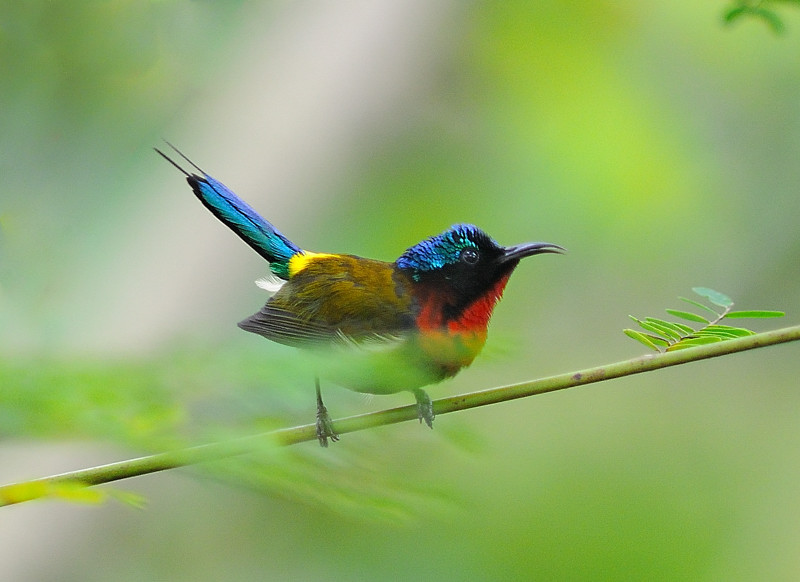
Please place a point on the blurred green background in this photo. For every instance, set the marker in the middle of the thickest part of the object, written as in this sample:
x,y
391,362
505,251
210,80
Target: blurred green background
x,y
659,146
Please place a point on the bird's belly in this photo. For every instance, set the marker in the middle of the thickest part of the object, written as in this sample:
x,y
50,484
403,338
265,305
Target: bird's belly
x,y
416,362
451,350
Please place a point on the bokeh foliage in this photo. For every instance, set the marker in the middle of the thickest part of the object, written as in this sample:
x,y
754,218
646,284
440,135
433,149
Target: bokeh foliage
x,y
765,11
654,142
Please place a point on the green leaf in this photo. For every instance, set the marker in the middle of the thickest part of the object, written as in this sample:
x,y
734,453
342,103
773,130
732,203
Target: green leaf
x,y
647,326
684,328
659,341
733,14
679,328
668,329
700,305
768,16
73,491
687,315
694,341
724,332
730,328
76,492
758,313
128,498
727,330
19,492
723,335
642,338
715,297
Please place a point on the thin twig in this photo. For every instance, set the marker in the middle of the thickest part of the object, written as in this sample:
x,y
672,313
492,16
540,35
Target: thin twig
x,y
28,490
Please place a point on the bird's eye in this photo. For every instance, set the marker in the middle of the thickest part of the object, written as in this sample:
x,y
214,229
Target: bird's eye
x,y
469,256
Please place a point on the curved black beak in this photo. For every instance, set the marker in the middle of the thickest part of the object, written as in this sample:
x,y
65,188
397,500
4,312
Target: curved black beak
x,y
517,252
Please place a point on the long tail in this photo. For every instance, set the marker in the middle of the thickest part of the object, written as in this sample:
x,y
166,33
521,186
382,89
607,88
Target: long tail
x,y
262,237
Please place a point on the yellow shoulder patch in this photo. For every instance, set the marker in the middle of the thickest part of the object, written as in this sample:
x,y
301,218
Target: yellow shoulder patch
x,y
300,261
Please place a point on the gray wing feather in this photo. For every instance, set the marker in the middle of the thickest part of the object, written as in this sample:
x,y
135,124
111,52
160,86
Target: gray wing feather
x,y
284,327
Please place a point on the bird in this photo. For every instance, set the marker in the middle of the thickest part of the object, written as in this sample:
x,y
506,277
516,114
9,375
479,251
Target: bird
x,y
376,327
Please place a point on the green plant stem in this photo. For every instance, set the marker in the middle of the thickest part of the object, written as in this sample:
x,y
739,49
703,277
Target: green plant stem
x,y
25,491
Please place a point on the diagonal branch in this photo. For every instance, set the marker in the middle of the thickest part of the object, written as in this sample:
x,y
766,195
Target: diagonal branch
x,y
28,490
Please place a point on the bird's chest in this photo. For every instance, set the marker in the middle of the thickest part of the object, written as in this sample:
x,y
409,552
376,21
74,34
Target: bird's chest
x,y
449,337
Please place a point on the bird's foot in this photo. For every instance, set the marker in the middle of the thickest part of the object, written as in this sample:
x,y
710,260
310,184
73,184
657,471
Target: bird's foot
x,y
324,423
325,427
424,407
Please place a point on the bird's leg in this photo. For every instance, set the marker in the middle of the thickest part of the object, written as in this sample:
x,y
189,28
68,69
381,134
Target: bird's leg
x,y
424,406
324,423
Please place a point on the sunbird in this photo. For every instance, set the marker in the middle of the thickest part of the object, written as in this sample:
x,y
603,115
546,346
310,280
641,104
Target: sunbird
x,y
379,327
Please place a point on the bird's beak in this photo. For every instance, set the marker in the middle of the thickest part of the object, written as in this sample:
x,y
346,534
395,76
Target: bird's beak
x,y
518,252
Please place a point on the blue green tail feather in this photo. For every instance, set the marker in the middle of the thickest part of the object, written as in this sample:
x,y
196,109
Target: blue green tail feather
x,y
262,237
259,234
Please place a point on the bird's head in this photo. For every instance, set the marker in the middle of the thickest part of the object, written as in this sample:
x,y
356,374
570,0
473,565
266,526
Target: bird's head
x,y
466,262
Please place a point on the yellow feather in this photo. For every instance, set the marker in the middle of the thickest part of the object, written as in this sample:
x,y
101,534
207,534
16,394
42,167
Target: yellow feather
x,y
300,261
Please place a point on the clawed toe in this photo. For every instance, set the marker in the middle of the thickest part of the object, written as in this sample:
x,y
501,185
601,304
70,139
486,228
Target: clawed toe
x,y
325,428
424,407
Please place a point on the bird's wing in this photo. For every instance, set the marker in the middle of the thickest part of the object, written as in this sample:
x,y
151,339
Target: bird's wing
x,y
282,326
334,300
